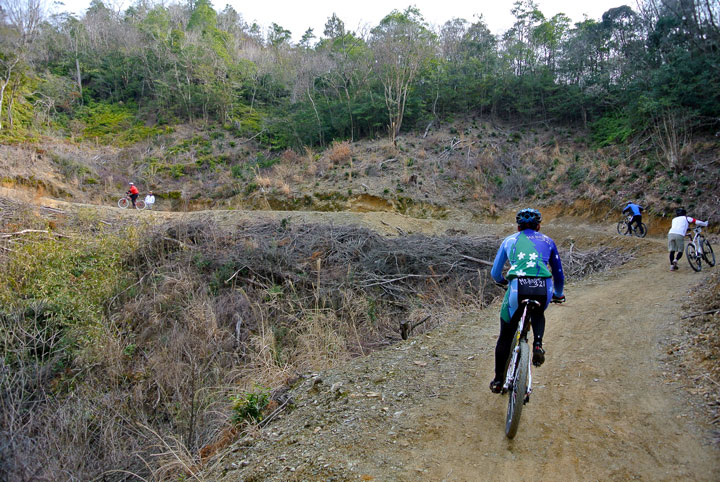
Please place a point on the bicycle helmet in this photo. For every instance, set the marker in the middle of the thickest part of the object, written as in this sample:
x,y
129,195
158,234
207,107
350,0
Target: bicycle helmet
x,y
528,216
680,212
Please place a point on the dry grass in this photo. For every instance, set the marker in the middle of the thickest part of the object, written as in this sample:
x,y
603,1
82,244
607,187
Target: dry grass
x,y
283,188
698,349
212,314
263,181
340,152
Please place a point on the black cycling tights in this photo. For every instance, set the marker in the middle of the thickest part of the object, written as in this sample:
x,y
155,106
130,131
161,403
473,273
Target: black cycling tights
x,y
672,256
507,331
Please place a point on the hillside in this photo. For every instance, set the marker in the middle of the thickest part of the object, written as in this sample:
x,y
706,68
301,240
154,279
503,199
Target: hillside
x,y
310,299
466,170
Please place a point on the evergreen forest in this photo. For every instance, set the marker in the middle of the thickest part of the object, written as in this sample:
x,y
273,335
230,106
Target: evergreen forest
x,y
651,74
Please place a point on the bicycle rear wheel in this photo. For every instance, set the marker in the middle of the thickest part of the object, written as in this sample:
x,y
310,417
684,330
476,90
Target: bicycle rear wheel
x,y
123,202
693,258
516,397
139,204
640,231
622,228
708,254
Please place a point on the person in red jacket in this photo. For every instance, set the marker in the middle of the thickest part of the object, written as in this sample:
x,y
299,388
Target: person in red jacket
x,y
133,193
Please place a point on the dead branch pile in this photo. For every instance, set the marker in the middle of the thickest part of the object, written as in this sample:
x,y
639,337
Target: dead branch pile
x,y
578,264
327,258
11,211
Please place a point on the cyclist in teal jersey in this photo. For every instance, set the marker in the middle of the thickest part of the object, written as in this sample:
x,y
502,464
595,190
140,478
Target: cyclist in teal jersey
x,y
531,255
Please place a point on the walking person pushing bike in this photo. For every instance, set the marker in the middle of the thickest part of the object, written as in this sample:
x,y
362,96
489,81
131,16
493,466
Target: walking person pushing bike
x,y
535,278
676,239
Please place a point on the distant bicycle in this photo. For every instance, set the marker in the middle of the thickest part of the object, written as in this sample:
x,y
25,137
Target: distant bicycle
x,y
624,228
125,202
699,249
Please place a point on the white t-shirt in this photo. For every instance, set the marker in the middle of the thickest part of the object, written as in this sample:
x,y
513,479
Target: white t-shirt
x,y
681,224
149,199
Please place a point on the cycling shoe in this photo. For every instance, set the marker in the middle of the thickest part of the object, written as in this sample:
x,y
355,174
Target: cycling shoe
x,y
538,355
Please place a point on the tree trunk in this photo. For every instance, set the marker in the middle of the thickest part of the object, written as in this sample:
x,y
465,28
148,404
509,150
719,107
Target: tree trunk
x,y
317,116
79,79
13,91
9,68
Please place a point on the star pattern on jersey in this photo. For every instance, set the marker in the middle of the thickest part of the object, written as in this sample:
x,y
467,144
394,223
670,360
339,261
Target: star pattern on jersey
x,y
533,256
521,256
521,273
530,264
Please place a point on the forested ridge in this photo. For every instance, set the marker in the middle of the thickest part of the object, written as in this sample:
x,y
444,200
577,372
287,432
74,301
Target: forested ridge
x,y
654,72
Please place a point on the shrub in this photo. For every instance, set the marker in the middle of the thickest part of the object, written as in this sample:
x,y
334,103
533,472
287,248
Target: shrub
x,y
250,405
237,171
289,156
611,129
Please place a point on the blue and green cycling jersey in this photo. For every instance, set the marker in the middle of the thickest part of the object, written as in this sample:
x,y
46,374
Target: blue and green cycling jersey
x,y
530,254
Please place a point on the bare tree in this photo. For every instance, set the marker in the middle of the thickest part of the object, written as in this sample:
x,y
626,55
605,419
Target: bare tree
x,y
671,133
19,25
401,44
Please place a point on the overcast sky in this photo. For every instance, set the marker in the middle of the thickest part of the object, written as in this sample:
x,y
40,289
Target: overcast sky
x,y
297,15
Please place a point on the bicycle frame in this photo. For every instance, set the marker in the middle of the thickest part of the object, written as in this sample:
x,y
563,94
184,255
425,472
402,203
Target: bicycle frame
x,y
697,241
520,337
632,228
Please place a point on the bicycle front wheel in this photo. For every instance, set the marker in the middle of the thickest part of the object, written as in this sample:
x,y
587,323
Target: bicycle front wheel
x,y
139,204
708,254
123,202
622,228
640,231
693,258
516,397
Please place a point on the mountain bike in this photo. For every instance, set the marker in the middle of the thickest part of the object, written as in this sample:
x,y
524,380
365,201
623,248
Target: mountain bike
x,y
125,201
624,228
699,249
518,378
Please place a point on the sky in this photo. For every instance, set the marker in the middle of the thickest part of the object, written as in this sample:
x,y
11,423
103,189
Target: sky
x,y
297,15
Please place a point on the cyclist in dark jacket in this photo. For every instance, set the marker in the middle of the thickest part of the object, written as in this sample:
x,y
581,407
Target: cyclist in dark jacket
x,y
636,212
531,255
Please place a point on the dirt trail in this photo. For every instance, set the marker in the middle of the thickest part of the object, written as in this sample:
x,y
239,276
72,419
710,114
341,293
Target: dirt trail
x,y
601,408
604,407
